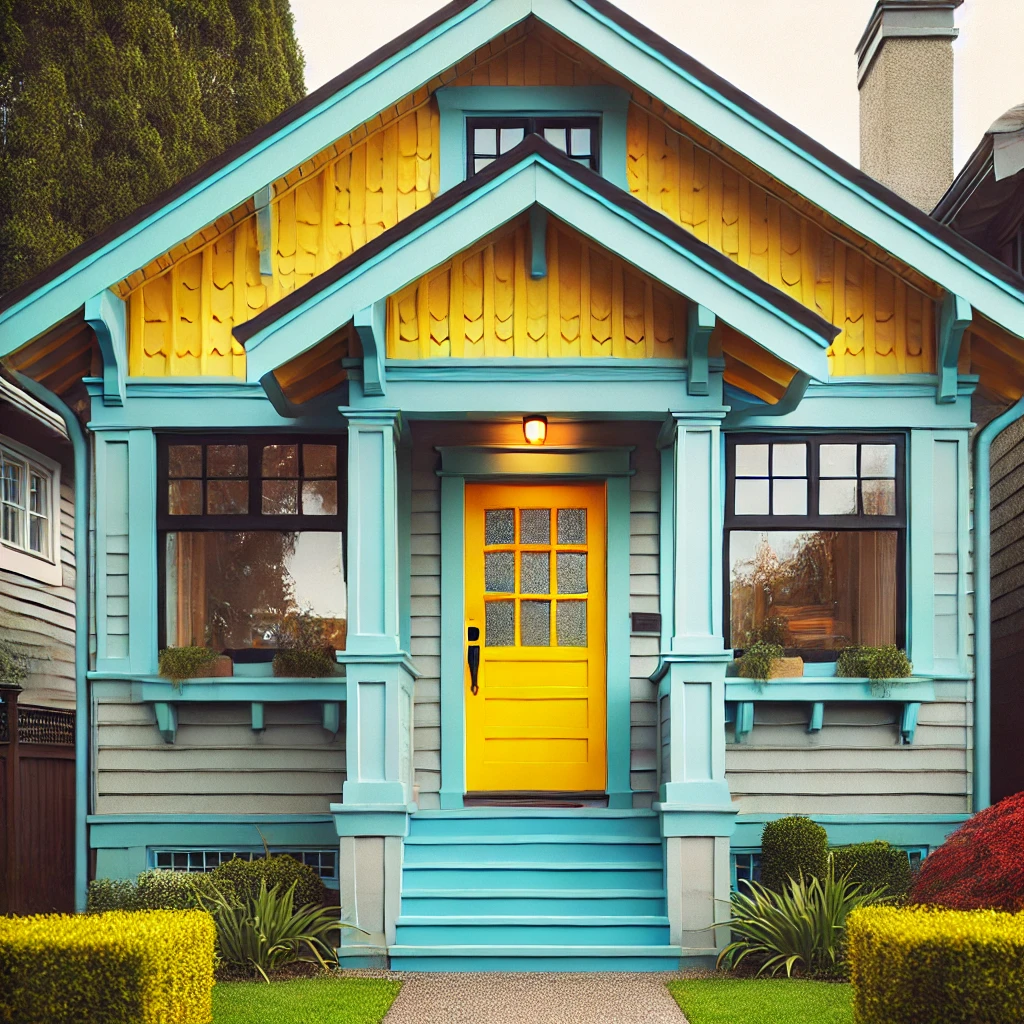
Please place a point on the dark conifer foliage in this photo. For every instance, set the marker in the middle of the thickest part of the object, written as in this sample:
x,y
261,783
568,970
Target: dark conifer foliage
x,y
105,103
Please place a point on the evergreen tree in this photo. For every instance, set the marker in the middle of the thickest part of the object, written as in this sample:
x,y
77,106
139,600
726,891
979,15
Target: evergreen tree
x,y
105,103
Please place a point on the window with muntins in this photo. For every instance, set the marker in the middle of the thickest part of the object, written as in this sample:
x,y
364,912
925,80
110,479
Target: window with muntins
x,y
323,862
29,513
490,137
816,540
251,531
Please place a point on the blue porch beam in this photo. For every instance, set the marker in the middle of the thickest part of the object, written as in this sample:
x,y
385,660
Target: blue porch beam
x,y
954,319
371,325
106,314
700,323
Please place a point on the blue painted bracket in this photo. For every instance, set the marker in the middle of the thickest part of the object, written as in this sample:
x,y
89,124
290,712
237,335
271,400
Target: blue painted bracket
x,y
332,717
908,721
256,710
166,720
538,242
264,230
744,720
817,719
699,325
954,319
106,314
371,326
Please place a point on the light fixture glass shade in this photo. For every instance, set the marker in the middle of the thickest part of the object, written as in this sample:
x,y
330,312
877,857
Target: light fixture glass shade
x,y
535,429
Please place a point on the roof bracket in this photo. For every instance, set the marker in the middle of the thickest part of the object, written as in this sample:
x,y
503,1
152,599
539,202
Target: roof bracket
x,y
954,319
166,720
538,242
699,325
264,230
106,315
371,326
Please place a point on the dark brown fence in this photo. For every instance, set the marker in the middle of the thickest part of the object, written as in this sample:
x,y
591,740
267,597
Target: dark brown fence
x,y
37,807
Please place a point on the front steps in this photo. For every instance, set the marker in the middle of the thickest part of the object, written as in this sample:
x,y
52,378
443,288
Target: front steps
x,y
533,889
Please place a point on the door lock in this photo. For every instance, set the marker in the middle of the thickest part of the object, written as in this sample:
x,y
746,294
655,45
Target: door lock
x,y
473,657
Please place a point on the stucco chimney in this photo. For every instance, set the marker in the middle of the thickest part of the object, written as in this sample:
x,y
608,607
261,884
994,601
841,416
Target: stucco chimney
x,y
905,77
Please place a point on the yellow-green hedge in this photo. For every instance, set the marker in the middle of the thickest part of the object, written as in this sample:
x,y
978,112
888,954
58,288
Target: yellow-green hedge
x,y
916,965
144,967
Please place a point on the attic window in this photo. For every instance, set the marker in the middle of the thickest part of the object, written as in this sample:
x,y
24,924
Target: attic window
x,y
491,137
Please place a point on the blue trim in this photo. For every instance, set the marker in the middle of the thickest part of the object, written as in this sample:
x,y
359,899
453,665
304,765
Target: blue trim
x,y
510,461
453,621
700,323
845,829
530,371
264,229
456,103
809,688
983,602
955,317
106,314
81,455
371,325
370,820
617,672
538,242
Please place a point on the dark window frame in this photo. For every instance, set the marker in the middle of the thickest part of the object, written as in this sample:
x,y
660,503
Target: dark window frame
x,y
814,521
533,125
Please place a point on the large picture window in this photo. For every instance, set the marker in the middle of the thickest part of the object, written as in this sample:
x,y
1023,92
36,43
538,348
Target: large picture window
x,y
815,537
251,531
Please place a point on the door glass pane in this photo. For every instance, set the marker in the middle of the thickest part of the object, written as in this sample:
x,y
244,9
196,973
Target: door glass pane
x,y
878,497
499,572
572,572
226,497
535,628
572,526
500,624
878,460
319,460
837,498
571,623
751,497
319,497
535,572
185,460
227,460
535,526
281,460
789,460
751,460
280,497
789,497
185,497
499,526
838,459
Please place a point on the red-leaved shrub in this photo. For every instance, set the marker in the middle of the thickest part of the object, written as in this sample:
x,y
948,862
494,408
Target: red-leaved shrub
x,y
981,865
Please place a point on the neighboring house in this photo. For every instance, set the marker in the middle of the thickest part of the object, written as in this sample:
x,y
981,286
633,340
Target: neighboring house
x,y
985,204
541,365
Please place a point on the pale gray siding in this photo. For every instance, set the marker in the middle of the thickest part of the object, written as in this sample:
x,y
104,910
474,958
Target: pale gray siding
x,y
217,765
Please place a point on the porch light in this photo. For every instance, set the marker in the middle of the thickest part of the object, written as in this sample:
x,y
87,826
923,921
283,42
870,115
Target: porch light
x,y
535,429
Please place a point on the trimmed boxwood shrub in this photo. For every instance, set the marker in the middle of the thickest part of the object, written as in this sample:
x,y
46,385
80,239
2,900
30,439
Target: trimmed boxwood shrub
x,y
980,865
919,965
279,869
152,890
791,847
876,865
148,968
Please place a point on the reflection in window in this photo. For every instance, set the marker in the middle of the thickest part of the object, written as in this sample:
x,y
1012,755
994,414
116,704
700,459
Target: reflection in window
x,y
832,588
233,590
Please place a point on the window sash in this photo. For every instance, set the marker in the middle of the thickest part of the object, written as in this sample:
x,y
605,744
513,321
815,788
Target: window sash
x,y
20,477
532,125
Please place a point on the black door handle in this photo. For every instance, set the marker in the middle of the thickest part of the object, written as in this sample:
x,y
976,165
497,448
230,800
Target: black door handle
x,y
473,657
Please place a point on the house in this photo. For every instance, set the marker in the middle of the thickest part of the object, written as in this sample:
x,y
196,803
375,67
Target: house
x,y
541,366
37,625
985,204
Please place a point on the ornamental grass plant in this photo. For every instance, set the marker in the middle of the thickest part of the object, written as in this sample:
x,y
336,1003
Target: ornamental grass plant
x,y
921,965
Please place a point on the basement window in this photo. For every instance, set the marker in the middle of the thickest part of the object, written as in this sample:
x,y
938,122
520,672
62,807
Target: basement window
x,y
487,138
323,862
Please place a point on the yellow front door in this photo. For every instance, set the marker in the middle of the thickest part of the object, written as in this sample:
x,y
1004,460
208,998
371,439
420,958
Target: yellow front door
x,y
535,607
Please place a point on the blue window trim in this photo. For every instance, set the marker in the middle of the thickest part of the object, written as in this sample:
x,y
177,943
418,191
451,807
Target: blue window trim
x,y
608,102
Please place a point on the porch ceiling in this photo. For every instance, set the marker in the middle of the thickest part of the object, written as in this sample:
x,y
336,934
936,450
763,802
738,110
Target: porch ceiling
x,y
763,333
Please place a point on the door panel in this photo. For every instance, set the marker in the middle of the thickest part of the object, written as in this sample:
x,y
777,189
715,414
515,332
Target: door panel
x,y
535,589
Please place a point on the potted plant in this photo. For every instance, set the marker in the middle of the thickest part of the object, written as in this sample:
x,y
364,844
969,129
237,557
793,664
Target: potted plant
x,y
881,666
193,662
764,656
304,649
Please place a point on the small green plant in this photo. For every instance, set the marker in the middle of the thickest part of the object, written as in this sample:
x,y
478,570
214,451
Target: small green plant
x,y
304,650
264,933
13,667
800,929
178,663
758,659
875,865
772,630
791,848
152,890
881,665
245,877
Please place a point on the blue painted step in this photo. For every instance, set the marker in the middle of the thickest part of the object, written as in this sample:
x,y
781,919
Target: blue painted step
x,y
533,889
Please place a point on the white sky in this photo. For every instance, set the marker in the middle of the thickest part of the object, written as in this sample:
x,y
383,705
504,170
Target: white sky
x,y
795,56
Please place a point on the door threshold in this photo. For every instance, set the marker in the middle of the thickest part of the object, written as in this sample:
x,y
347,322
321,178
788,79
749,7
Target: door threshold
x,y
542,798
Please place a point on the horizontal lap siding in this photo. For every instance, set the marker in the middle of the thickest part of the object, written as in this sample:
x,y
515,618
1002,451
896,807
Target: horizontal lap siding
x,y
855,764
40,619
217,764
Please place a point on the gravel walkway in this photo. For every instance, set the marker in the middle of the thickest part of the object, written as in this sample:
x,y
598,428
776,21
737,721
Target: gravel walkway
x,y
534,999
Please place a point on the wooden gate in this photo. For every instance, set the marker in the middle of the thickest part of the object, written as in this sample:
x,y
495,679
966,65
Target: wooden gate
x,y
37,807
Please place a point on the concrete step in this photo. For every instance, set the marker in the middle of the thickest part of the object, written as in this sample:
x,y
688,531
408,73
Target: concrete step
x,y
534,958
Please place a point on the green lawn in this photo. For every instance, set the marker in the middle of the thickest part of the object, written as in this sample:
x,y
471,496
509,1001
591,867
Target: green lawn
x,y
310,1001
762,1001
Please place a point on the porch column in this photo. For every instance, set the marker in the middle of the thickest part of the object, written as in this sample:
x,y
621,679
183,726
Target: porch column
x,y
697,814
373,815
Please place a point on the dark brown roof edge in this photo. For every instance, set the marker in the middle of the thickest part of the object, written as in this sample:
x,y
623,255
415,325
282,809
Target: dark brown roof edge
x,y
624,21
535,144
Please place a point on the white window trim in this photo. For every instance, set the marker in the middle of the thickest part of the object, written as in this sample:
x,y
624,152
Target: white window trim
x,y
28,563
